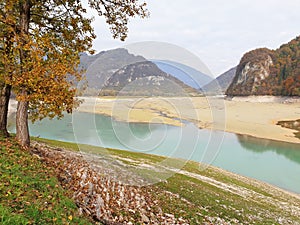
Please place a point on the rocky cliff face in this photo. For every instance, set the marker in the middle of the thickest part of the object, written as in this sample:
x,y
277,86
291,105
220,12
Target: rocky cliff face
x,y
268,72
252,72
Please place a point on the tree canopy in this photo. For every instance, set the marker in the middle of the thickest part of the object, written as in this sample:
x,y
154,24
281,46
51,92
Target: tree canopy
x,y
40,45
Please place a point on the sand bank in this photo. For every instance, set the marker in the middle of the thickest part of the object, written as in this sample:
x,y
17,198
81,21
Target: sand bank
x,y
255,118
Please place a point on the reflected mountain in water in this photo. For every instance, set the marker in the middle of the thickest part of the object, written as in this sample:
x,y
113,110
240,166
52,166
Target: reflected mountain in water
x,y
259,145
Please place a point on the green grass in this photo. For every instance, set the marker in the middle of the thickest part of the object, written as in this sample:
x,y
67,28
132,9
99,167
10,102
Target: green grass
x,y
30,192
195,200
54,143
205,200
212,173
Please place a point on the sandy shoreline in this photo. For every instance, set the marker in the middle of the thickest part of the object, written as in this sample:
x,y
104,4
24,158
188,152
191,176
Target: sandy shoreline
x,y
249,117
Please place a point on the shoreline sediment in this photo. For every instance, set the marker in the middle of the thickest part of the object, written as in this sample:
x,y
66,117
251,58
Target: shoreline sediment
x,y
248,117
252,116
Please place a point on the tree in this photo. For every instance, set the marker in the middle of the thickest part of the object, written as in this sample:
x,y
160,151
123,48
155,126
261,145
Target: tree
x,y
5,87
6,66
47,39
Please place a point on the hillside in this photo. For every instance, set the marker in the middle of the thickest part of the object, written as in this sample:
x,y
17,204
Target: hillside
x,y
145,79
102,69
108,186
86,60
269,72
221,83
30,192
101,66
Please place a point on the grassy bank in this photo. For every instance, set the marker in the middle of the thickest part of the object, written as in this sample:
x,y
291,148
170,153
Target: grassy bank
x,y
30,193
210,196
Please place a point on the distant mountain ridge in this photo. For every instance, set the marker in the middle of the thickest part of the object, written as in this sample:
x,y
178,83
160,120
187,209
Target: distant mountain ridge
x,y
219,85
145,79
108,69
101,66
268,72
86,60
186,74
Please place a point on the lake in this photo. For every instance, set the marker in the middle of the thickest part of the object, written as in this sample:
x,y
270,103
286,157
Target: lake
x,y
274,162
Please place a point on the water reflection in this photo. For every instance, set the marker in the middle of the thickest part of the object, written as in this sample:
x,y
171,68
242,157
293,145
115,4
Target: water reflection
x,y
129,136
259,145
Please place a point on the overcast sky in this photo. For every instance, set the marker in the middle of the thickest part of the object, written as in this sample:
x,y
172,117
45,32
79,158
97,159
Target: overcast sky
x,y
219,32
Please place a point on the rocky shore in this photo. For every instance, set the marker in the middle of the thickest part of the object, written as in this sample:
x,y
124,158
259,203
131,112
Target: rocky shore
x,y
99,193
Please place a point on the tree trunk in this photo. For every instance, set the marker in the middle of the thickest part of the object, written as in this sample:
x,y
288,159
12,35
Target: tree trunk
x,y
22,108
4,101
22,123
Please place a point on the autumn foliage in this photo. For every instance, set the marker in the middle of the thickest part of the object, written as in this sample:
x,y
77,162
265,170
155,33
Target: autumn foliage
x,y
40,43
283,75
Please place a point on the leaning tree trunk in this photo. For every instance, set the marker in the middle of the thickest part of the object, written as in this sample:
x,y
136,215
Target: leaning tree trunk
x,y
4,101
22,108
22,123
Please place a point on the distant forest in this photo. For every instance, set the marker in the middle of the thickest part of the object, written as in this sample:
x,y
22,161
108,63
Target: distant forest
x,y
287,69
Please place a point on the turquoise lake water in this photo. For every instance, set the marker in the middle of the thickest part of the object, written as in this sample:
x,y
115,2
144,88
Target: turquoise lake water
x,y
277,163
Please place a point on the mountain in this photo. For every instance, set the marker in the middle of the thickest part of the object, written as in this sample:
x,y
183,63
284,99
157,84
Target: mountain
x,y
186,74
145,79
108,69
101,66
268,72
86,60
221,83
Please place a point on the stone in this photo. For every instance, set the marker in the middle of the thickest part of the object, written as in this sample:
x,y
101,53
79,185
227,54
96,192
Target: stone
x,y
145,218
